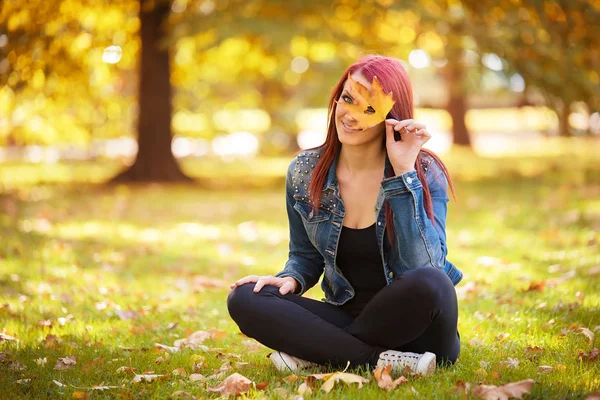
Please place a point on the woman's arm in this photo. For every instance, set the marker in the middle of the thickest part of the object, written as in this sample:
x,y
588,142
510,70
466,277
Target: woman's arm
x,y
305,264
420,242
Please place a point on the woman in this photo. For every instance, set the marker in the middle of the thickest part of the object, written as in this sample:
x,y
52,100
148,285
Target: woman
x,y
377,236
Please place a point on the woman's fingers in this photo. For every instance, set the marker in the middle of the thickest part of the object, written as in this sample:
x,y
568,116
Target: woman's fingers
x,y
287,288
262,281
244,280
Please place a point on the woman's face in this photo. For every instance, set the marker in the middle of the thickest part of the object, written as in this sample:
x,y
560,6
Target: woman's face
x,y
345,124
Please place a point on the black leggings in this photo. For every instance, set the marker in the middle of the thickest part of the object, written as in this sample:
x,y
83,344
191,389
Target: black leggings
x,y
416,313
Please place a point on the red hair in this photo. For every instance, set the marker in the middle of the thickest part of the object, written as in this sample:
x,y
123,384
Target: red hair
x,y
393,77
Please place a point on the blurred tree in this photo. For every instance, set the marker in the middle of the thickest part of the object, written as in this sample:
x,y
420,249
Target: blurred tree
x,y
553,44
154,160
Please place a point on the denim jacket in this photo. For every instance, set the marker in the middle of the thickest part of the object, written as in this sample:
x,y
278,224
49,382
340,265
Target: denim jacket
x,y
314,236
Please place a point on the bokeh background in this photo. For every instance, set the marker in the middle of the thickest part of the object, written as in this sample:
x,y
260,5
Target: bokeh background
x,y
207,83
143,152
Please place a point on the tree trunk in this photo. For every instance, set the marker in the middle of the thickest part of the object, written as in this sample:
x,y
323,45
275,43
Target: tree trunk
x,y
155,161
457,106
563,119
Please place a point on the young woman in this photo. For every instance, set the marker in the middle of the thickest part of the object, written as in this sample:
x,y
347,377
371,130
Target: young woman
x,y
367,210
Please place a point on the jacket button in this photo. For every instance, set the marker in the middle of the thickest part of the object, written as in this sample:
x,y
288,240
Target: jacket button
x,y
391,274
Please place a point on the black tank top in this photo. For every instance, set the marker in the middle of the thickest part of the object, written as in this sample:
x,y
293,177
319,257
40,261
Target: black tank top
x,y
359,260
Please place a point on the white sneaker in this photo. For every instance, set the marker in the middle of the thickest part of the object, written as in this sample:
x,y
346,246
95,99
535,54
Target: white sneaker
x,y
422,364
285,362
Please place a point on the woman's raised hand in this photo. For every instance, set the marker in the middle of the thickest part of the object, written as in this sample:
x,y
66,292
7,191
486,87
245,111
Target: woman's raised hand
x,y
286,284
403,153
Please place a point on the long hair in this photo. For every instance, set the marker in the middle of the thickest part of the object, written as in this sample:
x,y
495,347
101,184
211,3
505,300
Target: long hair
x,y
393,77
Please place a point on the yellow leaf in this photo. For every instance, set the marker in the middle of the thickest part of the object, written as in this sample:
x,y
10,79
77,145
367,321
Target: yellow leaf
x,y
331,379
369,107
79,395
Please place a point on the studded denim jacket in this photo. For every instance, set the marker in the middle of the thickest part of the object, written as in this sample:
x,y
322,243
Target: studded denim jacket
x,y
314,235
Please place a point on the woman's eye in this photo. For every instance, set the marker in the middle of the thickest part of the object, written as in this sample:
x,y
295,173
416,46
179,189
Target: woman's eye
x,y
347,99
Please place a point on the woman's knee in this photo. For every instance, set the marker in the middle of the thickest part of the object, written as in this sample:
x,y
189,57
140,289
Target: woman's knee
x,y
239,299
428,282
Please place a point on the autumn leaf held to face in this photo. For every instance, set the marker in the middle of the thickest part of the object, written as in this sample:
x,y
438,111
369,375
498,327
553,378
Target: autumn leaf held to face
x,y
369,107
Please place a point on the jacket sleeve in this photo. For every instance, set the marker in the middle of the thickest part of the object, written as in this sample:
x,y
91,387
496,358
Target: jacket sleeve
x,y
419,241
305,264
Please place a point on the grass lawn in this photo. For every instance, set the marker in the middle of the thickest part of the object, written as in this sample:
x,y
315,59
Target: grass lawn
x,y
101,274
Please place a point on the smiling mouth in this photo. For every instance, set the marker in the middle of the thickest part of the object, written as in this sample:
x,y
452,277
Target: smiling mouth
x,y
348,128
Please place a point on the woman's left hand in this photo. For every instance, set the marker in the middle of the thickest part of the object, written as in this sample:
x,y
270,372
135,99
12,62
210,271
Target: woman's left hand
x,y
403,153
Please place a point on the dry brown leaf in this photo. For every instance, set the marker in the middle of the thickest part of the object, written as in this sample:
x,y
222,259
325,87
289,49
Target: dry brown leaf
x,y
262,385
52,342
146,378
594,396
384,379
195,340
593,355
533,352
16,366
197,377
124,369
235,384
179,372
7,338
535,286
127,315
544,369
510,363
79,395
589,334
65,363
504,392
171,349
369,107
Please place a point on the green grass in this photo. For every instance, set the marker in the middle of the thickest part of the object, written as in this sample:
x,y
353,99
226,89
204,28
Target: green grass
x,y
87,251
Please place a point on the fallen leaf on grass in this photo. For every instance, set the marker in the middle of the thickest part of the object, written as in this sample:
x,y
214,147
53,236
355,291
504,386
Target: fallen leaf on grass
x,y
4,337
168,348
79,395
504,392
23,381
197,377
384,379
331,379
533,352
544,369
16,366
125,369
146,378
510,363
535,287
235,384
180,372
41,361
127,315
52,342
476,342
594,396
593,355
195,340
65,363
589,334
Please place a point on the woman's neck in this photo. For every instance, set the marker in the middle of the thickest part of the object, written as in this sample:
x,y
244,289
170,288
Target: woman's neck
x,y
355,160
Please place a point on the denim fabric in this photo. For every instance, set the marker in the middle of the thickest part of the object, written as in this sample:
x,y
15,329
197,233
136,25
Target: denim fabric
x,y
314,234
